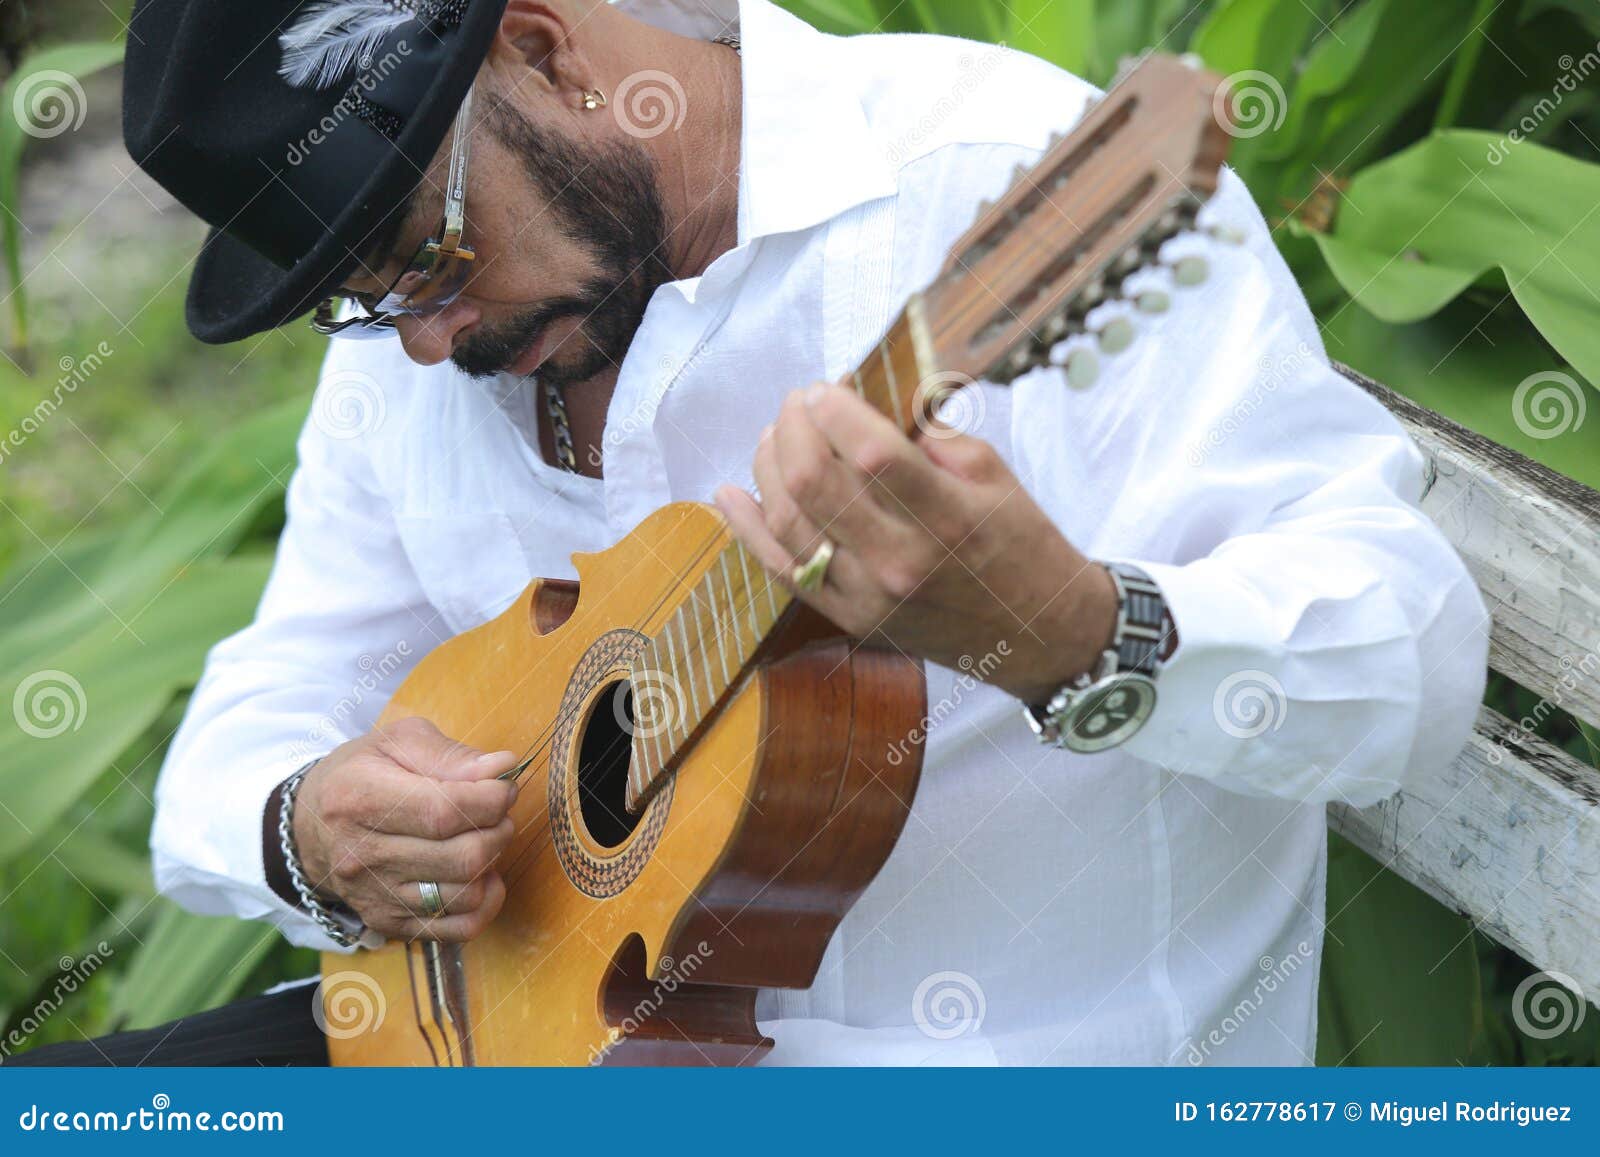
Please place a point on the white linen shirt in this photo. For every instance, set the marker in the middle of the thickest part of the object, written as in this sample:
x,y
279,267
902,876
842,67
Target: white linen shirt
x,y
1157,903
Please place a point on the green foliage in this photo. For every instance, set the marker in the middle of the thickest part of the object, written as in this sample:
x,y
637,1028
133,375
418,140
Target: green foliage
x,y
1429,171
44,82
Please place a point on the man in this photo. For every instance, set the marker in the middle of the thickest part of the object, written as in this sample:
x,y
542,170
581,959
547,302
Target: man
x,y
680,211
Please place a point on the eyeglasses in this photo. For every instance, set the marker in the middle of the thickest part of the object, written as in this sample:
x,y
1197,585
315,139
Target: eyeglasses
x,y
437,272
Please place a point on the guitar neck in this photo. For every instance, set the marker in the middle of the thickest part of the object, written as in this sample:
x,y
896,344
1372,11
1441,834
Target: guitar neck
x,y
721,620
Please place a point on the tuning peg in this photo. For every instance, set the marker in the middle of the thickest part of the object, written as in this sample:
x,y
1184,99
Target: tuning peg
x,y
1128,260
1083,367
1191,270
1060,327
1153,301
1226,234
1091,295
1018,173
1115,335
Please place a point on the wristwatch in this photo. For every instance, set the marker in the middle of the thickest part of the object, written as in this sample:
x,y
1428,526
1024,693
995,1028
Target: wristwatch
x,y
1106,705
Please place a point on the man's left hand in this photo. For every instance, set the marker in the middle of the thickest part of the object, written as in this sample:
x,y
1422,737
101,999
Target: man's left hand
x,y
938,548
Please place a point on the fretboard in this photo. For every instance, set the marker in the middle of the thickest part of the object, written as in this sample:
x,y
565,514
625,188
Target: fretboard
x,y
710,636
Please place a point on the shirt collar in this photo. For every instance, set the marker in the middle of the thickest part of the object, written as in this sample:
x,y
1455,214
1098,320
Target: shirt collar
x,y
807,153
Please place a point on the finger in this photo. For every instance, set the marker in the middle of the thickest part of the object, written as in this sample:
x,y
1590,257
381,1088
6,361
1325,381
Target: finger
x,y
899,472
845,586
785,521
832,493
402,859
418,746
457,928
458,898
437,810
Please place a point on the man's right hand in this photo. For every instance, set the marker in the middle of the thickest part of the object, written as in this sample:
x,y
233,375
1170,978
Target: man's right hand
x,y
402,804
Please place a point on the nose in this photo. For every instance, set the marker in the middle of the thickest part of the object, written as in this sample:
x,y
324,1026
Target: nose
x,y
430,340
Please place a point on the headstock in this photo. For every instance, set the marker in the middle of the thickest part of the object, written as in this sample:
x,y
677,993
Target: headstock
x,y
1068,233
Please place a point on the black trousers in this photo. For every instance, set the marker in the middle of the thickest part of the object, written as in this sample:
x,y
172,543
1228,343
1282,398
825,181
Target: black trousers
x,y
263,1030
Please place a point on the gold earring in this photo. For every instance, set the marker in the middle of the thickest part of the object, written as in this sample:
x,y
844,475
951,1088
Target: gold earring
x,y
594,98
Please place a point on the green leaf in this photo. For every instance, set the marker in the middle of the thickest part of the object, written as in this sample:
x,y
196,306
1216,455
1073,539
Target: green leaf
x,y
62,590
1466,363
46,82
188,963
1399,972
840,17
1419,228
1359,80
1060,31
77,705
1256,44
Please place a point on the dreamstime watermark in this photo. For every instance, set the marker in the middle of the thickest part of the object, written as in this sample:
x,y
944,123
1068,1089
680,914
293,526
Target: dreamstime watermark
x,y
372,75
72,976
1573,672
1573,73
942,710
971,73
1249,703
1250,103
673,973
948,403
672,371
949,1004
349,404
331,729
1271,374
658,704
649,103
348,1004
48,103
1548,1004
74,373
49,703
1549,404
1274,974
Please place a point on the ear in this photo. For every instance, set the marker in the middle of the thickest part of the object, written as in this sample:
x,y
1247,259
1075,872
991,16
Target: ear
x,y
535,52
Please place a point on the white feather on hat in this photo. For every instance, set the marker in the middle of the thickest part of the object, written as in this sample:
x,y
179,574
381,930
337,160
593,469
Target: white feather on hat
x,y
331,37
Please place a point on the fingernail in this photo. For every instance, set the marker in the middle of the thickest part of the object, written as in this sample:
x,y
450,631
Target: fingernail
x,y
489,758
766,432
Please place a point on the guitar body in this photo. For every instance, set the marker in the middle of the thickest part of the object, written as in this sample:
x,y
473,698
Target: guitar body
x,y
642,940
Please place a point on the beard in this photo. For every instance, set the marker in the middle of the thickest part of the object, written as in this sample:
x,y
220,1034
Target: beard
x,y
610,203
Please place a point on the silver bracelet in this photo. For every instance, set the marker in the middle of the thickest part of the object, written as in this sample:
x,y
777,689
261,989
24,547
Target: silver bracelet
x,y
337,932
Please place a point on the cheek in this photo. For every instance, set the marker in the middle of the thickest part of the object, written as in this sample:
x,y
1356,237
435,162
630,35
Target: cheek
x,y
525,262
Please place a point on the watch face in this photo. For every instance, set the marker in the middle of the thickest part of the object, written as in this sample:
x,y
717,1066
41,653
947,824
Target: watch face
x,y
1108,712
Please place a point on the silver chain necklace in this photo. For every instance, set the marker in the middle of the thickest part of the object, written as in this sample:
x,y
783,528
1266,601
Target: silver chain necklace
x,y
555,401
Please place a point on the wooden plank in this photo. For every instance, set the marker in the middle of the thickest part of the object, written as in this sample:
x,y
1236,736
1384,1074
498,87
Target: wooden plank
x,y
1508,835
1531,538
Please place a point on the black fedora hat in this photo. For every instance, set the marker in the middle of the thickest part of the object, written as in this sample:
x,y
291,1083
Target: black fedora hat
x,y
295,173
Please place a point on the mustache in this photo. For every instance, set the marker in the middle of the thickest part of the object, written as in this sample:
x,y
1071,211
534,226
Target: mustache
x,y
489,351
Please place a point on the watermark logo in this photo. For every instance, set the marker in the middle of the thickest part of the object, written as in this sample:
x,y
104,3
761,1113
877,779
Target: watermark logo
x,y
1548,1004
348,1004
349,404
943,405
49,703
948,1004
1249,703
1548,404
1250,103
658,704
49,103
650,103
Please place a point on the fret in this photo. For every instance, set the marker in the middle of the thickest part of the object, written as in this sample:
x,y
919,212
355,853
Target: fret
x,y
749,589
772,599
861,390
716,629
688,671
739,650
894,385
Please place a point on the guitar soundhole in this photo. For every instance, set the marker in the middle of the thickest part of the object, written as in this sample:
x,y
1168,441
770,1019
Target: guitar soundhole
x,y
603,758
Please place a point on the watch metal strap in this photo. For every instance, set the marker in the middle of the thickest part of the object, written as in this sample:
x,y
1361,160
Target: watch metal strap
x,y
1144,625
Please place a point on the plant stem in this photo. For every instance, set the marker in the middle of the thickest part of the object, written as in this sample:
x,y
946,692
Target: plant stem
x,y
1466,63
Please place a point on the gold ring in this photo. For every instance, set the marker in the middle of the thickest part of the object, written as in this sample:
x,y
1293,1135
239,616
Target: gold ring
x,y
811,574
